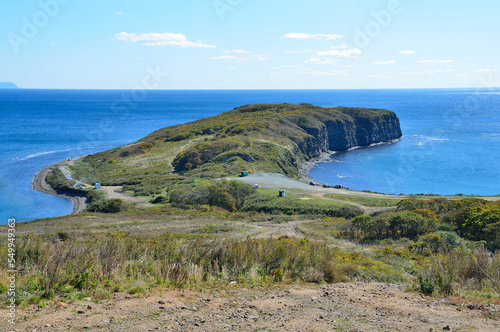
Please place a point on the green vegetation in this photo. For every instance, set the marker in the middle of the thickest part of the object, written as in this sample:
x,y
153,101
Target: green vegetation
x,y
98,264
98,203
448,240
366,201
267,201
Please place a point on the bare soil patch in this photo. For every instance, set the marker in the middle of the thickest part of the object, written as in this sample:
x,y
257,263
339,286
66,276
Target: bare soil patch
x,y
338,307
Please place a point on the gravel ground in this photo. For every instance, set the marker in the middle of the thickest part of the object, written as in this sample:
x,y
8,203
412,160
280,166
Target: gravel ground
x,y
338,307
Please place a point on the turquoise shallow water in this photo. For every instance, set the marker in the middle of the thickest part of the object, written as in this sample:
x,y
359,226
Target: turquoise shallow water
x,y
450,143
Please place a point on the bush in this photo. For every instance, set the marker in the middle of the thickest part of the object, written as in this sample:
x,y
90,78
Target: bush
x,y
98,203
410,225
466,269
62,236
159,200
426,287
229,195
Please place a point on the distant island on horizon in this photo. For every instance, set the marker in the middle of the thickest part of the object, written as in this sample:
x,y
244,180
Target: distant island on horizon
x,y
8,85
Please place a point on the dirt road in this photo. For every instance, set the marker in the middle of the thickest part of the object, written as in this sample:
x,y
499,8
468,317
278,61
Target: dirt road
x,y
272,180
338,307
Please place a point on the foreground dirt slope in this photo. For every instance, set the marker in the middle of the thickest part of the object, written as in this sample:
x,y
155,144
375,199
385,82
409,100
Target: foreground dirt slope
x,y
338,307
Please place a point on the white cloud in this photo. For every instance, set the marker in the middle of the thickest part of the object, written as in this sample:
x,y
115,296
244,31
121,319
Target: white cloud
x,y
435,61
237,51
301,35
296,52
227,57
160,39
408,73
119,13
344,53
324,73
238,58
321,61
390,62
481,71
425,72
287,66
407,52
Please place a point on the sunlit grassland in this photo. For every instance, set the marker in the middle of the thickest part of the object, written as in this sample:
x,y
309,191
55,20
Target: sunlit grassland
x,y
366,201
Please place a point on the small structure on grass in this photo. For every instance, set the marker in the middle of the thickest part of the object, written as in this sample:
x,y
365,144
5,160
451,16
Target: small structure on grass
x,y
243,173
98,185
281,193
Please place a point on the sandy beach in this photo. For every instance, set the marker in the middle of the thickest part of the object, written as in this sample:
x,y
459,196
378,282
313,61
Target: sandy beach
x,y
39,183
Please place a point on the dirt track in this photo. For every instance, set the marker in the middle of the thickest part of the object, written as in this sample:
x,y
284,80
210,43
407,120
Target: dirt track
x,y
276,230
366,209
272,180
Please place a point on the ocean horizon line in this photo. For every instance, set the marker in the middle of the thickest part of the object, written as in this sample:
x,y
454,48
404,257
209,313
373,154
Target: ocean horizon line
x,y
249,89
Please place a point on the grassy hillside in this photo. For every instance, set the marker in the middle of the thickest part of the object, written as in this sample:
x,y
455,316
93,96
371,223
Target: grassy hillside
x,y
257,138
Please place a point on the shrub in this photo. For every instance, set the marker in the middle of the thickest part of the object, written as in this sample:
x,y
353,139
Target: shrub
x,y
159,200
98,203
410,225
229,195
114,205
426,287
80,280
62,236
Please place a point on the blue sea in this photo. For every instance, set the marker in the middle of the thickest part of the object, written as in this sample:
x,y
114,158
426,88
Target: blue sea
x,y
450,138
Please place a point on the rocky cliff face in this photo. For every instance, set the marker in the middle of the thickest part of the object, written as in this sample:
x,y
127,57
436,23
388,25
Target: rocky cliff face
x,y
363,132
343,134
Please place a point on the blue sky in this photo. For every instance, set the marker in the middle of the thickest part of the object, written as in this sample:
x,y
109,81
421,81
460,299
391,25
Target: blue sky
x,y
250,44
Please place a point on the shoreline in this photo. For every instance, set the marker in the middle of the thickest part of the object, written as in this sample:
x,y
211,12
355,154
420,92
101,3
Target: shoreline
x,y
40,184
306,166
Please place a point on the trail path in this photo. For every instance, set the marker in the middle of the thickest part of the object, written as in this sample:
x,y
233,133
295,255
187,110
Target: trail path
x,y
366,209
276,230
272,180
279,181
113,192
